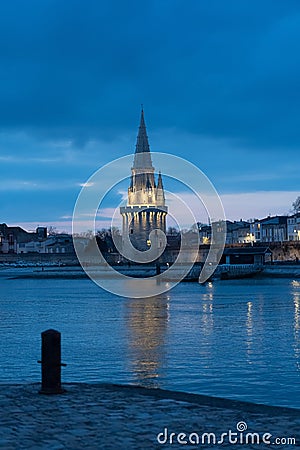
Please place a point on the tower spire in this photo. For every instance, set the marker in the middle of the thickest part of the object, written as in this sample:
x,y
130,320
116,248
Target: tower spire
x,y
142,157
142,144
146,209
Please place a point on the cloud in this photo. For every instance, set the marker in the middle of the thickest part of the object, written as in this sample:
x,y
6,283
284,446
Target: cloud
x,y
247,205
219,81
210,69
29,185
86,184
258,204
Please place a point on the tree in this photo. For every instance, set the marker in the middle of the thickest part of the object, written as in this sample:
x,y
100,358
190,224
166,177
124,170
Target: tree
x,y
52,231
108,238
172,231
87,234
296,205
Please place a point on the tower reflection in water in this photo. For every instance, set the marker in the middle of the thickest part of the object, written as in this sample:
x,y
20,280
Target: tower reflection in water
x,y
147,322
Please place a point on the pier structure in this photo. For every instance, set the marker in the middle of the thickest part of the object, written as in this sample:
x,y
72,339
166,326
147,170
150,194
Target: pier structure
x,y
146,210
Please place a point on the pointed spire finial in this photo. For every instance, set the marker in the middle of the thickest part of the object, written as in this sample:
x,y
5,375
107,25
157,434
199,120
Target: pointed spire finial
x,y
142,157
142,144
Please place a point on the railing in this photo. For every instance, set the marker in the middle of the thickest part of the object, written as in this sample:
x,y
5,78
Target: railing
x,y
240,267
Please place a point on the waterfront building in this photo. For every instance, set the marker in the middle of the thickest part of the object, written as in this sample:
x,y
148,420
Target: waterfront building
x,y
59,244
7,245
11,236
269,229
255,226
238,232
293,227
204,234
146,209
31,247
19,241
247,255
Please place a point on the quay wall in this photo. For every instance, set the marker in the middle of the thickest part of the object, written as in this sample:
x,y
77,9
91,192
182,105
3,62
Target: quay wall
x,y
285,251
68,259
281,251
282,271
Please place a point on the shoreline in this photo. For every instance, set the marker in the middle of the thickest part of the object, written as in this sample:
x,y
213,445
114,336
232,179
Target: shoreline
x,y
159,393
113,416
70,272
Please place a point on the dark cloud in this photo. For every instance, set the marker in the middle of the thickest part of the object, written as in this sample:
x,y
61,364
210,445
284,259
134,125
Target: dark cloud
x,y
80,69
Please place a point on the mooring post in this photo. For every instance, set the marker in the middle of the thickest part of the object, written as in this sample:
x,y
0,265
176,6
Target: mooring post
x,y
158,270
51,362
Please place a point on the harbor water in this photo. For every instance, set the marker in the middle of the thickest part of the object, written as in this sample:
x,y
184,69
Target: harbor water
x,y
236,339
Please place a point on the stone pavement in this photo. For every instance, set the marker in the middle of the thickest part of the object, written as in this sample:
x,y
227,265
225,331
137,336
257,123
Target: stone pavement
x,y
111,417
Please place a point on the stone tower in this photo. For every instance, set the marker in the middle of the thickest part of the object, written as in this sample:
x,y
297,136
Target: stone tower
x,y
146,209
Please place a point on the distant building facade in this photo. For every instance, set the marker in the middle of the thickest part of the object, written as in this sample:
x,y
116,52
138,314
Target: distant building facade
x,y
293,227
19,241
58,244
270,229
146,209
11,237
267,230
238,232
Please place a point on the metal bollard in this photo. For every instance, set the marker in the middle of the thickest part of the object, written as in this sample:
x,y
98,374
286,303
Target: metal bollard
x,y
51,362
158,270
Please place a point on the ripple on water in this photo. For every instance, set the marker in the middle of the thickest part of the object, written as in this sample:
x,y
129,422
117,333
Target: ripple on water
x,y
237,339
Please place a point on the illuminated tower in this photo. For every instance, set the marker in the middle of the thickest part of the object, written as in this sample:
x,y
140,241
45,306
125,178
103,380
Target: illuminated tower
x,y
146,209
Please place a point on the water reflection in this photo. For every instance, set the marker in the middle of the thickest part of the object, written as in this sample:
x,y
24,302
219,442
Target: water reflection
x,y
207,317
249,331
147,321
296,298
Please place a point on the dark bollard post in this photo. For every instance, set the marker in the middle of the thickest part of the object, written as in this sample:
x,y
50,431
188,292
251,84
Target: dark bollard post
x,y
158,271
51,362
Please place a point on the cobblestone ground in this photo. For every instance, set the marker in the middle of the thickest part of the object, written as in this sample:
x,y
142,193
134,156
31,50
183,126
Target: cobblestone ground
x,y
122,417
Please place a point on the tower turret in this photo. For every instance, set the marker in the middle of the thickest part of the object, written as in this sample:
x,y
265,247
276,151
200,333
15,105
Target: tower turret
x,y
160,194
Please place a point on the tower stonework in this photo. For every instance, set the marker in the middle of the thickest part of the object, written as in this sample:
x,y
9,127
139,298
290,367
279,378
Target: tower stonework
x,y
146,209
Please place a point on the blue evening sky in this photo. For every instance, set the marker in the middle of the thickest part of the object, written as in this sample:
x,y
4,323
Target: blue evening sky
x,y
219,80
